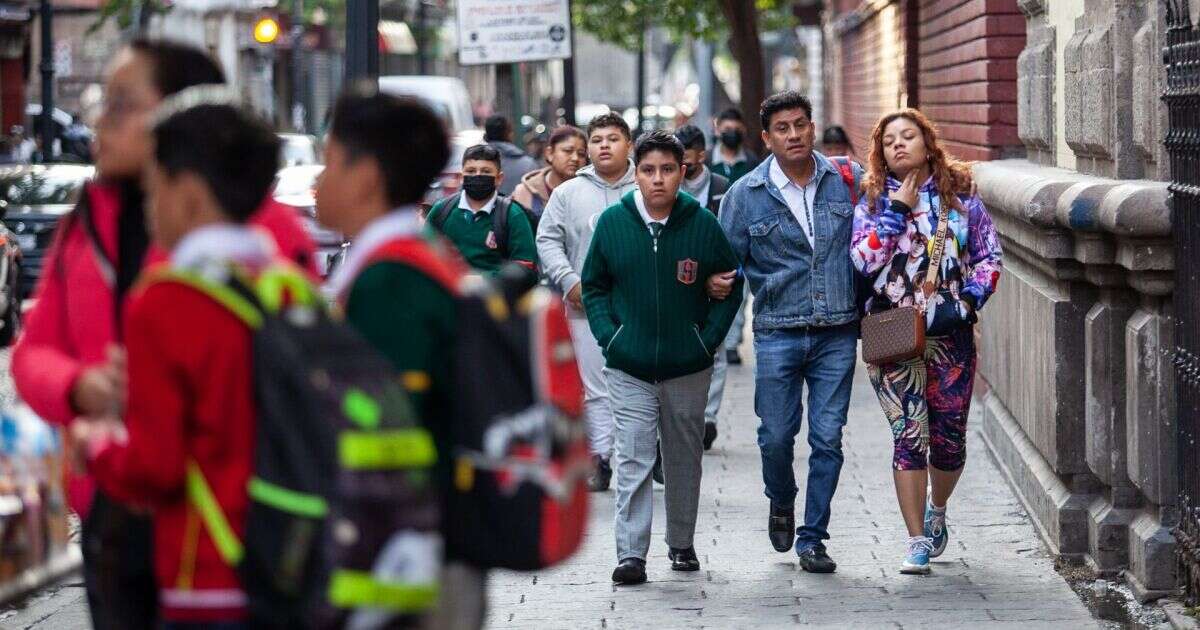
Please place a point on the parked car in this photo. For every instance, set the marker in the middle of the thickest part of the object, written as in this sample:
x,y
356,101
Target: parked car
x,y
295,186
32,199
449,99
74,139
298,150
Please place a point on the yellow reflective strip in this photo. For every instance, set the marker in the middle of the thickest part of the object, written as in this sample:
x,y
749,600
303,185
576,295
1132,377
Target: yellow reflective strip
x,y
361,409
375,450
202,498
358,589
224,296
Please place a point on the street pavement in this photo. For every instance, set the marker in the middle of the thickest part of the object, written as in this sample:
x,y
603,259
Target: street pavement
x,y
994,574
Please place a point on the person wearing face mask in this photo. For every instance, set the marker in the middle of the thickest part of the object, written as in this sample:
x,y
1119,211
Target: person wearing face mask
x,y
731,159
488,228
709,189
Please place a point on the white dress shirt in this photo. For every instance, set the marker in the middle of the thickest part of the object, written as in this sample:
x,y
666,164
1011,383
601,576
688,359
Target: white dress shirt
x,y
800,199
486,209
640,202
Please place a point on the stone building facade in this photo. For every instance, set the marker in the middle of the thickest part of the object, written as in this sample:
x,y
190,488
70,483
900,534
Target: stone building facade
x,y
1060,103
1080,407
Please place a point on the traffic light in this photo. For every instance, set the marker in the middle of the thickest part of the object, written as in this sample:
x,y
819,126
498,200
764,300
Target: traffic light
x,y
266,30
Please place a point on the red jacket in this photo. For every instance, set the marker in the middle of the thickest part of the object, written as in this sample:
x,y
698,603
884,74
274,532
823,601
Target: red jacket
x,y
73,320
191,397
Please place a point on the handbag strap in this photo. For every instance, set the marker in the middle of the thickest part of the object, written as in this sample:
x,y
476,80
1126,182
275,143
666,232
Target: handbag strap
x,y
939,250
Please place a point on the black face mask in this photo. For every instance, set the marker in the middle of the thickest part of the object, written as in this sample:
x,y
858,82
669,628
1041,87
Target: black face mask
x,y
479,187
731,138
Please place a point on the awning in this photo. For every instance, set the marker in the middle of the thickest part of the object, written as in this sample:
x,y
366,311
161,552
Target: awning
x,y
395,38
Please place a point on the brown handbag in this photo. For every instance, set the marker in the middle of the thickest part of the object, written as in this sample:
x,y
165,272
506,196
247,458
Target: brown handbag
x,y
899,334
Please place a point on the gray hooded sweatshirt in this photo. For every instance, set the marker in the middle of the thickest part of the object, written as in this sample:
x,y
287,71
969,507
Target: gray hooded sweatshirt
x,y
565,230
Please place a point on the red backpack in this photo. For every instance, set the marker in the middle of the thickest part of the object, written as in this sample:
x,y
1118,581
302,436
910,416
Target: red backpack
x,y
518,498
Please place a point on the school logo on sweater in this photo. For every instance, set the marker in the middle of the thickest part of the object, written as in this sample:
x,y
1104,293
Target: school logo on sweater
x,y
491,240
686,270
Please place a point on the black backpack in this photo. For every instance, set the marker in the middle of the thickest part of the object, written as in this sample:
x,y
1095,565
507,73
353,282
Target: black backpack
x,y
441,210
342,479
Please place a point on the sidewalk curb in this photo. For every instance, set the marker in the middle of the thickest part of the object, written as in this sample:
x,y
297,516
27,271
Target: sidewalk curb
x,y
1177,615
33,579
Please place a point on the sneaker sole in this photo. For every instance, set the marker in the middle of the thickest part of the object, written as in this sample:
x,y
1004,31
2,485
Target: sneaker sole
x,y
912,569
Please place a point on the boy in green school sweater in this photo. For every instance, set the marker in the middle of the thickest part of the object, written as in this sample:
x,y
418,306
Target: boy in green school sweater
x,y
468,220
644,293
396,286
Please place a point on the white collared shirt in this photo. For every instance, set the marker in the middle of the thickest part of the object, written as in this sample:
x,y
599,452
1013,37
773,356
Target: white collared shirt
x,y
209,250
398,223
486,209
800,199
640,202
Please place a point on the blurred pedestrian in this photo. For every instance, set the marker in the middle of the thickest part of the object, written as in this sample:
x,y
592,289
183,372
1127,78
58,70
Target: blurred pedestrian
x,y
396,286
921,223
644,292
488,228
191,413
515,163
535,144
565,153
835,142
67,362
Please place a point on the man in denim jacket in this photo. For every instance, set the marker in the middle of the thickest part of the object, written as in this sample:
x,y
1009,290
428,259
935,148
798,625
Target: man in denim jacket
x,y
789,221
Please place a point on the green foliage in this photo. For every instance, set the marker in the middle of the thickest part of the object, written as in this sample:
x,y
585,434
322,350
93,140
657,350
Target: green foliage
x,y
128,12
620,21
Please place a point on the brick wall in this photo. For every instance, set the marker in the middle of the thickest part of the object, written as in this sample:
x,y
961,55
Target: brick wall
x,y
962,73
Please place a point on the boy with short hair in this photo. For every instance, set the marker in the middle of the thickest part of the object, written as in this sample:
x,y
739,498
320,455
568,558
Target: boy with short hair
x,y
190,393
485,241
644,293
397,285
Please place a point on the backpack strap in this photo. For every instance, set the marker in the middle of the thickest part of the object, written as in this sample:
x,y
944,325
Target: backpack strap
x,y
428,258
441,210
500,223
241,303
847,171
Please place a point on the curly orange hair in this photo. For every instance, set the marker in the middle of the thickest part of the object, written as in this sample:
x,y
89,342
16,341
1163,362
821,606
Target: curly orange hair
x,y
951,175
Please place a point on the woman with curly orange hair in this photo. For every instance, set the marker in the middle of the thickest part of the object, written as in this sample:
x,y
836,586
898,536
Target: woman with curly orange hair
x,y
910,183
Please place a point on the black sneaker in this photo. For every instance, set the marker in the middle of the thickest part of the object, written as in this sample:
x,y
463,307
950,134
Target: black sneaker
x,y
781,528
815,560
732,356
630,571
657,473
710,434
683,559
601,475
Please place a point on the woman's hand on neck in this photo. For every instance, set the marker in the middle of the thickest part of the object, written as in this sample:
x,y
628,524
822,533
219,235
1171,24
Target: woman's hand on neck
x,y
923,173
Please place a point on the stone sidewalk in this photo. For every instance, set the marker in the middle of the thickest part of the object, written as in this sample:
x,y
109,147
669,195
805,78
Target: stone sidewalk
x,y
995,573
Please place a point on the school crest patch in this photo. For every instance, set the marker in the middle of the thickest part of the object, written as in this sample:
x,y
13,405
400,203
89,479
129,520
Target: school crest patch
x,y
686,269
491,240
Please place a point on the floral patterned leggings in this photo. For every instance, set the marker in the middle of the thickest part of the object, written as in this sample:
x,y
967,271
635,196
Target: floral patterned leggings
x,y
926,402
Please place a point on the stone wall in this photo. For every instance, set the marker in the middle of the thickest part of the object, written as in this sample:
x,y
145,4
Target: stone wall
x,y
1075,345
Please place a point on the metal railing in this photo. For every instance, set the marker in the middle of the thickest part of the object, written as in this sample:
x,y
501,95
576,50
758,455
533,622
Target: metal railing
x,y
1182,97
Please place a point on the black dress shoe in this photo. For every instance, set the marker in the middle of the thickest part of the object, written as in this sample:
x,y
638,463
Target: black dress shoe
x,y
684,559
710,434
815,560
630,571
732,357
657,472
781,528
601,474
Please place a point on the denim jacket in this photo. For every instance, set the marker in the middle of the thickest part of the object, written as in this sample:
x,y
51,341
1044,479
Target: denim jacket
x,y
794,283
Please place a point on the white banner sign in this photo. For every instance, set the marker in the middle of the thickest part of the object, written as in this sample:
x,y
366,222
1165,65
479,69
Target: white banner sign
x,y
511,31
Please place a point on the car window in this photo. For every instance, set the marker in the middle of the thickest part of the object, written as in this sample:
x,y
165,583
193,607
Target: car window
x,y
41,188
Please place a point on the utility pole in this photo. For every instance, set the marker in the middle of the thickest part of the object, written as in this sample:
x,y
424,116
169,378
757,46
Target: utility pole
x,y
362,40
47,67
641,81
299,107
568,99
422,41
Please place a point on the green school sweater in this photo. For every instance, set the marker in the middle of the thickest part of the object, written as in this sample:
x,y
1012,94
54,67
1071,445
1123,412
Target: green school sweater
x,y
410,318
645,298
469,232
732,173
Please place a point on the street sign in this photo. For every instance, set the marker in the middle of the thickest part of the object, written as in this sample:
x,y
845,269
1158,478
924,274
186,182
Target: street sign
x,y
512,31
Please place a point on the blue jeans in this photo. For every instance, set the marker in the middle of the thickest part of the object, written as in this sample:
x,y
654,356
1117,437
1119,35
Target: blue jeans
x,y
787,359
